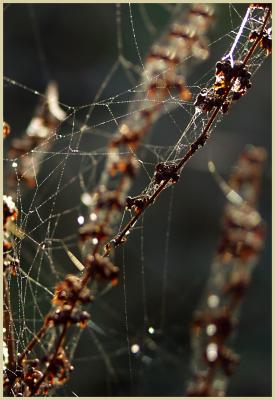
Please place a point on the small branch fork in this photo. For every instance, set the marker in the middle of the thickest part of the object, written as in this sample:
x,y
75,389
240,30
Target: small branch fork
x,y
200,141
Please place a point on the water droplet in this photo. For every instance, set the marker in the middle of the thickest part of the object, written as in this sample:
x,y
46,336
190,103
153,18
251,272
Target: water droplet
x,y
80,220
86,199
93,217
212,352
135,348
213,301
211,329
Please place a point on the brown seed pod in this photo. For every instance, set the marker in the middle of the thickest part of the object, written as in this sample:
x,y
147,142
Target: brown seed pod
x,y
102,269
6,129
166,171
70,291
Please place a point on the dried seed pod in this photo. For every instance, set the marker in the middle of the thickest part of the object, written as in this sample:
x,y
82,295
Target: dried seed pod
x,y
166,171
102,269
107,199
61,316
227,78
46,119
164,54
70,291
237,285
206,100
126,137
81,318
216,353
200,142
138,202
10,264
59,369
94,230
7,246
221,320
228,360
6,129
127,166
265,41
202,10
262,6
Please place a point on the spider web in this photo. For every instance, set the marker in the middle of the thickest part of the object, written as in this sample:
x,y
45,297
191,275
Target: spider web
x,y
137,342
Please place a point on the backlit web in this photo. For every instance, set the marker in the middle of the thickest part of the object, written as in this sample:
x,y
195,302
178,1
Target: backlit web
x,y
90,62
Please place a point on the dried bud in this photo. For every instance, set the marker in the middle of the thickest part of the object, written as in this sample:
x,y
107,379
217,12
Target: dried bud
x,y
262,6
94,230
11,264
127,166
59,369
70,291
102,269
166,171
138,202
6,129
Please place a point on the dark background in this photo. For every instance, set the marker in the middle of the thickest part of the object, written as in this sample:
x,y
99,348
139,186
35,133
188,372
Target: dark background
x,y
76,46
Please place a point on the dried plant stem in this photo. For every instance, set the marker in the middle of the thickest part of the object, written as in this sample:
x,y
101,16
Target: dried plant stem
x,y
163,74
57,348
8,324
193,148
36,339
65,327
199,142
216,319
257,41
